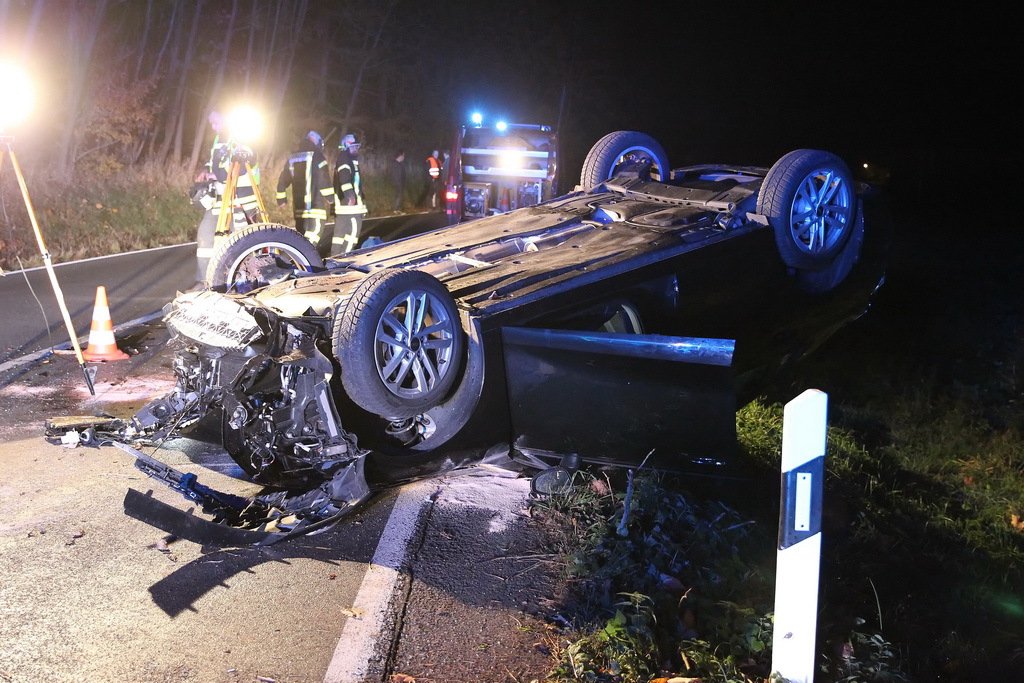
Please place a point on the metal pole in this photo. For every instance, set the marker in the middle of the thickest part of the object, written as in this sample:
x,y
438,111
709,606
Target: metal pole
x,y
264,216
804,439
49,266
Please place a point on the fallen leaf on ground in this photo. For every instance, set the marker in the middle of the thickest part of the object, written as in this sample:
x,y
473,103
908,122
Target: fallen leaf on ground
x,y
402,678
353,612
1016,522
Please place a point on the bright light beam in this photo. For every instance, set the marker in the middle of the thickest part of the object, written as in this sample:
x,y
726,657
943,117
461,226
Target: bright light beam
x,y
511,159
245,125
17,96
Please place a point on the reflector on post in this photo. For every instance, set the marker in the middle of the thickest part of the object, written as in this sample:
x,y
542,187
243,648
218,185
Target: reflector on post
x,y
804,439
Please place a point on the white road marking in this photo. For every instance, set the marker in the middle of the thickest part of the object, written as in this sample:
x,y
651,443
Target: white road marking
x,y
100,258
358,645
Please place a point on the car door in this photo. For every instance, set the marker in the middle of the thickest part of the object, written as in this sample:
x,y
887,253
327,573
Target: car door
x,y
614,397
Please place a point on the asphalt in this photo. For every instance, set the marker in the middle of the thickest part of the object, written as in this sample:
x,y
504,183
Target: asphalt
x,y
138,284
465,593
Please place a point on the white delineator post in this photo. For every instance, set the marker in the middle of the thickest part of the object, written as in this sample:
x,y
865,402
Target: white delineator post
x,y
804,432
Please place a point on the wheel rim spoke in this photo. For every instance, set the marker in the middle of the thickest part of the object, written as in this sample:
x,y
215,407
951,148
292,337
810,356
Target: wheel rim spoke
x,y
437,328
834,222
392,341
410,311
831,187
393,364
810,193
417,372
389,320
421,309
408,361
432,374
437,343
817,231
802,216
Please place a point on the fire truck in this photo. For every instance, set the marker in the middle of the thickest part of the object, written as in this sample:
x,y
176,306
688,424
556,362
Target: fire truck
x,y
498,168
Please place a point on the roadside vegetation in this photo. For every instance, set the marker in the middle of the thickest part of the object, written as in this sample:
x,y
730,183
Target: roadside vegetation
x,y
117,211
923,546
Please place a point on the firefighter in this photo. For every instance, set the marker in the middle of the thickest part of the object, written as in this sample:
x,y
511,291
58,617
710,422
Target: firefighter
x,y
223,153
348,197
434,171
309,175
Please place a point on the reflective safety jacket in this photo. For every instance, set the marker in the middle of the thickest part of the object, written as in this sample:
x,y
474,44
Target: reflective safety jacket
x,y
433,167
221,160
310,178
348,189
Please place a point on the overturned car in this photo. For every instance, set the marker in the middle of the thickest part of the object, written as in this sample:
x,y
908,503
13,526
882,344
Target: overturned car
x,y
608,322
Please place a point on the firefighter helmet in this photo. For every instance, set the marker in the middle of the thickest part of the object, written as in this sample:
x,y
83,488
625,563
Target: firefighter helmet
x,y
348,141
216,120
315,138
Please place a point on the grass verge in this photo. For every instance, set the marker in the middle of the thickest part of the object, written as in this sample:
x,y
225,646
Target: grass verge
x,y
147,207
923,544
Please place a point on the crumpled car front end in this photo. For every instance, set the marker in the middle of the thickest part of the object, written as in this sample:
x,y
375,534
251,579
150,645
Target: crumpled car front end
x,y
267,379
270,378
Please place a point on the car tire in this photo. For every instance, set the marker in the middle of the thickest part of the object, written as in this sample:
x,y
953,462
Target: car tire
x,y
288,245
607,156
810,202
389,366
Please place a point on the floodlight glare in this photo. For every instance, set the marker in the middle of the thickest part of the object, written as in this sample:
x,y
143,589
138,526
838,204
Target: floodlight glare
x,y
245,125
477,118
501,125
511,160
16,95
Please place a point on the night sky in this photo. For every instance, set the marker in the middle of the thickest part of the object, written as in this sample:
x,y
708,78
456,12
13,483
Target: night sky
x,y
922,92
915,91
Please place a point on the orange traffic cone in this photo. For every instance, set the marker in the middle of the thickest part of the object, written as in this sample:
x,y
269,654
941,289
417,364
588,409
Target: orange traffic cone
x,y
102,345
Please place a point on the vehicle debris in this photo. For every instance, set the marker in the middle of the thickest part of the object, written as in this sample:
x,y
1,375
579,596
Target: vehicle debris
x,y
265,519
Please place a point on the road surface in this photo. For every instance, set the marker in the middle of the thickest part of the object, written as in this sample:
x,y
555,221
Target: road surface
x,y
431,580
138,284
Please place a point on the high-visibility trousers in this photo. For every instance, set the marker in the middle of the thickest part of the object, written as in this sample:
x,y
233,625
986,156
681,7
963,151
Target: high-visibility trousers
x,y
319,232
347,224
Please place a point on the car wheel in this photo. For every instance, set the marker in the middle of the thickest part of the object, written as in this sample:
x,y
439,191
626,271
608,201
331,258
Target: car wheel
x,y
809,200
618,150
248,257
399,342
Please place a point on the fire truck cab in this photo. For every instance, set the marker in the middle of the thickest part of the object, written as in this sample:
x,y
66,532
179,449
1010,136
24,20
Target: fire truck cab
x,y
494,169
